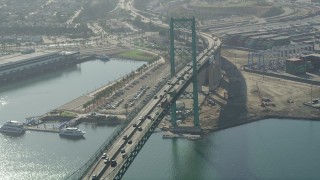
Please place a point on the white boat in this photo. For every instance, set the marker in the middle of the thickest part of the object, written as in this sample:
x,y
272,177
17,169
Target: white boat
x,y
12,127
103,57
71,132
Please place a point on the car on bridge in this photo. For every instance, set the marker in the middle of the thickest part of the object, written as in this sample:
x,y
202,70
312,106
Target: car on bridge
x,y
123,153
125,137
94,177
113,163
104,156
106,161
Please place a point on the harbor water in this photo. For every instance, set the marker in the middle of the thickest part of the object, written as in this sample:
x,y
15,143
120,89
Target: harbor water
x,y
39,155
266,149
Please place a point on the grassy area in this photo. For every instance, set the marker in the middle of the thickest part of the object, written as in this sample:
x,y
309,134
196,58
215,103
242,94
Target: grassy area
x,y
136,55
68,114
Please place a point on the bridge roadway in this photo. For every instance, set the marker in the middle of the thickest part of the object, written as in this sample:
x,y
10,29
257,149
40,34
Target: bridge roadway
x,y
148,119
151,114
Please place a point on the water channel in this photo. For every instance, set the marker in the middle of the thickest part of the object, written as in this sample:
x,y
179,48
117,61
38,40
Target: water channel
x,y
39,155
267,149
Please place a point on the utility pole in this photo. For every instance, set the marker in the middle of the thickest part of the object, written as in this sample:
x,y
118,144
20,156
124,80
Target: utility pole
x,y
311,94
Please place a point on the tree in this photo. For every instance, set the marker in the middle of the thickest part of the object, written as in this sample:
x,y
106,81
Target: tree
x,y
126,106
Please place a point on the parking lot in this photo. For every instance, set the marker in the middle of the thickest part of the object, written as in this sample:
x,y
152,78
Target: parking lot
x,y
125,99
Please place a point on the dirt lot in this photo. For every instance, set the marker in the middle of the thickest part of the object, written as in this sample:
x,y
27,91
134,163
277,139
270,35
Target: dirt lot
x,y
246,91
239,98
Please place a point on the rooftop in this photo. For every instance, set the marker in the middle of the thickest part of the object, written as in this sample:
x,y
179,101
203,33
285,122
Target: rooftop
x,y
314,55
264,36
280,37
294,59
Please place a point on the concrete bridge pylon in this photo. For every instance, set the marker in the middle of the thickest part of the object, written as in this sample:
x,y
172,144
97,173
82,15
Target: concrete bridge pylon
x,y
211,75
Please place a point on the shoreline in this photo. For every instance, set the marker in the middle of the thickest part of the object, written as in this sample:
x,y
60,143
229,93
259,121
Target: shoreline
x,y
238,109
255,119
76,105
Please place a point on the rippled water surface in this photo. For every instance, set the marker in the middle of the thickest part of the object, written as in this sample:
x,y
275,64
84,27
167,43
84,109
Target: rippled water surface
x,y
267,149
38,155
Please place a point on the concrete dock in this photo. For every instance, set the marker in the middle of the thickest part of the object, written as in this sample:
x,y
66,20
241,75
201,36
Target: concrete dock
x,y
52,130
170,135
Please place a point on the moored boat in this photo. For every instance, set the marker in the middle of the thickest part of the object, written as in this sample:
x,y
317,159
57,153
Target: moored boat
x,y
12,127
103,57
71,132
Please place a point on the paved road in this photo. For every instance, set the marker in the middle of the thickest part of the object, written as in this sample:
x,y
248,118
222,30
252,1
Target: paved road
x,y
114,151
135,135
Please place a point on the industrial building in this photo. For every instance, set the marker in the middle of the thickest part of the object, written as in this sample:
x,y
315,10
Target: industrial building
x,y
16,66
275,57
296,66
267,38
314,60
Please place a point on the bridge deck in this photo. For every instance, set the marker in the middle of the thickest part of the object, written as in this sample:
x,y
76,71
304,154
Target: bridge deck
x,y
152,109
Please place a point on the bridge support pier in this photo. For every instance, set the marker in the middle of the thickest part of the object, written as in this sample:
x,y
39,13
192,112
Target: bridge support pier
x,y
201,79
217,74
211,75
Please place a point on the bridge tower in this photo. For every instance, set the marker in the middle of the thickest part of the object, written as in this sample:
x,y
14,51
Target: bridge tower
x,y
183,25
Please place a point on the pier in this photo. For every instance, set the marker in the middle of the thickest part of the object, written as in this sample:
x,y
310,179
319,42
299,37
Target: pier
x,y
42,129
170,135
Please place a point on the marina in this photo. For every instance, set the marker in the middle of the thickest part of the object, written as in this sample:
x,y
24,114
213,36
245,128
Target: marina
x,y
53,130
57,126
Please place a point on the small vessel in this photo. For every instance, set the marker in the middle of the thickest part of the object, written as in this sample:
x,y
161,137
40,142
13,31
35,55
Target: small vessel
x,y
71,132
13,127
3,101
103,57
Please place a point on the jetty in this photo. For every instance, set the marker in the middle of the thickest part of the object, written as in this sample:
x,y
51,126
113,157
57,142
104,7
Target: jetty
x,y
170,135
42,129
